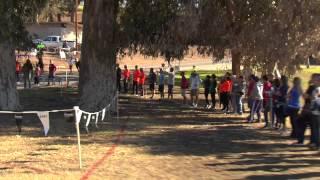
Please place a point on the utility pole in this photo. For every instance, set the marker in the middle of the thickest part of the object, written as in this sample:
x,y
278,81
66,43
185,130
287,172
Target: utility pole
x,y
76,23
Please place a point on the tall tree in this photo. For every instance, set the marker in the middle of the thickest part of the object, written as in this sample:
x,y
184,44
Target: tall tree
x,y
98,57
12,36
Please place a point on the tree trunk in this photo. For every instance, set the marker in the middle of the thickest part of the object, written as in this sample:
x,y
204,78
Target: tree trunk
x,y
98,58
72,14
9,99
236,62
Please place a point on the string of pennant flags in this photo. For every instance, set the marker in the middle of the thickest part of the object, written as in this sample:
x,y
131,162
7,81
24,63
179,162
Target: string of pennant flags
x,y
79,114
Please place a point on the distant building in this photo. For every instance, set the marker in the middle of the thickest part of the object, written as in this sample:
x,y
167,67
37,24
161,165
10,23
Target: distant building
x,y
64,29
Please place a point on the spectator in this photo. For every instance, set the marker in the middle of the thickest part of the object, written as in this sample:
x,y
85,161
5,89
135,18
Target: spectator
x,y
239,92
161,83
281,101
136,78
27,73
142,79
207,84
18,70
267,90
118,77
305,118
126,77
171,78
195,83
225,94
293,107
184,86
257,97
37,73
52,73
71,62
77,64
315,108
213,90
152,79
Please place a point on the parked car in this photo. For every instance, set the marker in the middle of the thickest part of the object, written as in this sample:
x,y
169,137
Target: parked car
x,y
56,42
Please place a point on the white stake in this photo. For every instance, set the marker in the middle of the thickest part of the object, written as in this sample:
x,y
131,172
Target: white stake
x,y
76,109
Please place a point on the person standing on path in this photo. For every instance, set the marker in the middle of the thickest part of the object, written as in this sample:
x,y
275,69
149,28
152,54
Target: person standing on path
x,y
27,73
37,73
126,77
207,84
152,79
257,97
195,83
142,79
184,86
267,91
18,70
281,97
52,73
118,70
135,83
238,95
293,106
171,80
315,109
213,91
161,83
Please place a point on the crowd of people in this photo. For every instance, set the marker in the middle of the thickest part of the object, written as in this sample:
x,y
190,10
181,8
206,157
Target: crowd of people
x,y
270,99
32,72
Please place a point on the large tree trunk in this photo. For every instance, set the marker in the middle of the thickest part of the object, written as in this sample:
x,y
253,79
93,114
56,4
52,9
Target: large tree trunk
x,y
98,58
236,62
9,99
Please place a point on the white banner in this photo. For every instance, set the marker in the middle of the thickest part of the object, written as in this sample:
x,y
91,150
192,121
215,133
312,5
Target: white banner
x,y
44,118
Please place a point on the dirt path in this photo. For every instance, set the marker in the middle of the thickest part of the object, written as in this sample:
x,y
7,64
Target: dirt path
x,y
161,140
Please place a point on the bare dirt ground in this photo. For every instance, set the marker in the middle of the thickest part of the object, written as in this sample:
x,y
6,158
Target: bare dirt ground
x,y
153,140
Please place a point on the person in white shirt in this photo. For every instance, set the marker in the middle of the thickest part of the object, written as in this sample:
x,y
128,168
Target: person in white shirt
x,y
195,83
171,78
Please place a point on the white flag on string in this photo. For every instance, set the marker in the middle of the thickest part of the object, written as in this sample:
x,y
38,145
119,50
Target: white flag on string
x,y
103,114
78,114
44,118
96,117
88,119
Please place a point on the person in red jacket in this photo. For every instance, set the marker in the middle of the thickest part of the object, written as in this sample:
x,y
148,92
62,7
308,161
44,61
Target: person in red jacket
x,y
126,77
18,70
225,89
136,78
52,73
142,79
